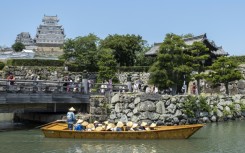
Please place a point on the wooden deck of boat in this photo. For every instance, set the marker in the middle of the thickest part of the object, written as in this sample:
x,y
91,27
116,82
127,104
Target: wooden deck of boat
x,y
60,130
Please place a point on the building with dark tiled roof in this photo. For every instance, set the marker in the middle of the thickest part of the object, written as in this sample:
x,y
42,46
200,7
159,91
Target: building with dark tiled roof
x,y
214,50
24,38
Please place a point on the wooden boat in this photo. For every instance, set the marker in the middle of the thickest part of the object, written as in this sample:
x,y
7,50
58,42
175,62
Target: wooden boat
x,y
60,130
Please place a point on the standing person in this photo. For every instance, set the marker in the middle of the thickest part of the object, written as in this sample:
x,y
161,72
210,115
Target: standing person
x,y
193,89
11,79
71,118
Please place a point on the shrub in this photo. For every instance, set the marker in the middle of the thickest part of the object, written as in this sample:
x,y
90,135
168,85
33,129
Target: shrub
x,y
35,62
1,65
190,106
203,104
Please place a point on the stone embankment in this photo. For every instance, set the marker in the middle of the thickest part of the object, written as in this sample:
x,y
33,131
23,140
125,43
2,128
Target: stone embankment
x,y
170,110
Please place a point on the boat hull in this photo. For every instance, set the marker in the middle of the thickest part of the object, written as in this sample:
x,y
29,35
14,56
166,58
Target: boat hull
x,y
161,132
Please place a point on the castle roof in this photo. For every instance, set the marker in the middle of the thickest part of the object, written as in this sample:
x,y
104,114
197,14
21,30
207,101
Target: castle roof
x,y
218,51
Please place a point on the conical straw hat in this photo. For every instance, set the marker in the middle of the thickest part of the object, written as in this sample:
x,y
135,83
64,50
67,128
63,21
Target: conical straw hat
x,y
99,129
110,125
143,124
72,109
79,121
129,124
153,125
90,126
134,125
119,124
84,123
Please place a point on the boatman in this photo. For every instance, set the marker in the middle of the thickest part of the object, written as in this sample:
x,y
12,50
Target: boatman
x,y
71,118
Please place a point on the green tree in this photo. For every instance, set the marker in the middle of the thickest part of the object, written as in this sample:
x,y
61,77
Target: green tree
x,y
124,47
142,60
82,51
107,65
224,70
199,54
18,46
171,65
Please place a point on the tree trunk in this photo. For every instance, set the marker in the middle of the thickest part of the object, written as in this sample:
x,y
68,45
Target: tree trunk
x,y
226,88
198,86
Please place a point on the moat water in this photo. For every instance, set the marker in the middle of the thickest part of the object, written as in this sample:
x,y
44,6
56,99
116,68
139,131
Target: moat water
x,y
213,138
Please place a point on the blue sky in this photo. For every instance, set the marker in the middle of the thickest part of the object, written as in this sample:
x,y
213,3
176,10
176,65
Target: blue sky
x,y
222,20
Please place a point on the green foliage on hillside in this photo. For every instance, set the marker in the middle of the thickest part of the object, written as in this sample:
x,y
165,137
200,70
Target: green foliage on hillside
x,y
1,65
238,59
35,62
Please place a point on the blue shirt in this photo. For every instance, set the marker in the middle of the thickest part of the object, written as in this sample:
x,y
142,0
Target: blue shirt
x,y
70,118
78,127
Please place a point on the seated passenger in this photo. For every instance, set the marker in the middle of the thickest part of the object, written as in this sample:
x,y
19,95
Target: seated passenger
x,y
119,126
152,126
134,127
142,126
78,126
84,124
96,123
110,127
129,125
90,127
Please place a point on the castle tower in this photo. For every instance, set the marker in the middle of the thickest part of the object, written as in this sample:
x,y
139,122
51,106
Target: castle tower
x,y
50,36
24,38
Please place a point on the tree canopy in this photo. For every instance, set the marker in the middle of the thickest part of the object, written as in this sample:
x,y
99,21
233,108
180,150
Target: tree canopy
x,y
176,61
82,51
107,65
171,64
224,70
124,47
18,46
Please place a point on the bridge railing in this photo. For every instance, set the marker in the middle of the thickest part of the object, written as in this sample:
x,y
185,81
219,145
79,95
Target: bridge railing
x,y
39,86
44,86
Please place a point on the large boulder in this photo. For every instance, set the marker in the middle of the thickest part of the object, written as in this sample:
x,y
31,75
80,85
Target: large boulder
x,y
171,108
119,107
146,106
115,98
160,107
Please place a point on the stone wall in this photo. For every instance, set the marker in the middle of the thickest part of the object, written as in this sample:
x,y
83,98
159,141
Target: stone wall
x,y
171,110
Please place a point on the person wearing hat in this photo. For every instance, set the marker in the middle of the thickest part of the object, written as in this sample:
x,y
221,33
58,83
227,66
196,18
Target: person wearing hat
x,y
129,126
71,118
78,126
110,127
96,123
119,126
142,126
134,127
152,126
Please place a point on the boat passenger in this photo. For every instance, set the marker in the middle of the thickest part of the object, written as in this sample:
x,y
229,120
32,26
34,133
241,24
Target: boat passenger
x,y
71,118
129,125
110,127
134,127
119,126
142,126
84,124
78,126
152,126
90,127
96,123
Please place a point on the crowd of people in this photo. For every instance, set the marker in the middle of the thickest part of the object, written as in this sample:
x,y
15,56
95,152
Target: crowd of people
x,y
82,125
